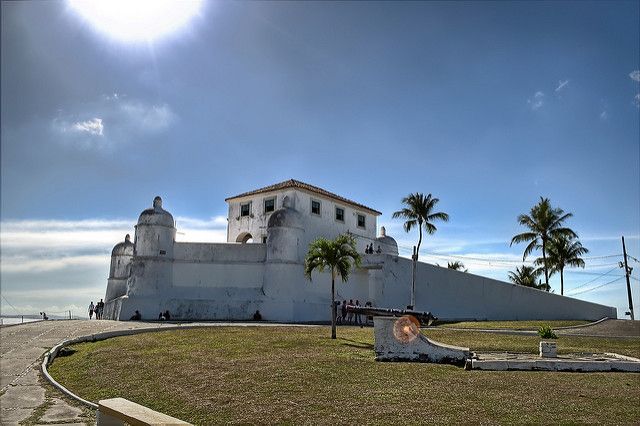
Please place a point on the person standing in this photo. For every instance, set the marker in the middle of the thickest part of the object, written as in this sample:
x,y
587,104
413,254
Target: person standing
x,y
350,314
100,307
358,320
91,309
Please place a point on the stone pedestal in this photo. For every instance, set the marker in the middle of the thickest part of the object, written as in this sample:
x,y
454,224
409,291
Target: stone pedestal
x,y
399,339
548,350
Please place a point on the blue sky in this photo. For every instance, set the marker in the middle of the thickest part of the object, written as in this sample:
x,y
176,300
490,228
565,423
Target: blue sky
x,y
486,105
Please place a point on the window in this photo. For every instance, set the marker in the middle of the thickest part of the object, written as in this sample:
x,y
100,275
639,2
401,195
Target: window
x,y
245,209
339,214
315,207
361,221
264,240
269,205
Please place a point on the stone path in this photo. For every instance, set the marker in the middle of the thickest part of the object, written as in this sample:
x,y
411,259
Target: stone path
x,y
23,395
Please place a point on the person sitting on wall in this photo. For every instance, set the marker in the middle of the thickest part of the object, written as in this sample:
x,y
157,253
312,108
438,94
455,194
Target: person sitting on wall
x,y
136,317
44,316
167,315
257,316
161,316
379,250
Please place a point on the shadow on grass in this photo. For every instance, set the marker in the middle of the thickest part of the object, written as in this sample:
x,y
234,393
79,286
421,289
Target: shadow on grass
x,y
355,344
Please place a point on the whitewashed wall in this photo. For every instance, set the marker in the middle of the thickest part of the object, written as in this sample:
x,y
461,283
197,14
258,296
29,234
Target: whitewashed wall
x,y
315,226
450,294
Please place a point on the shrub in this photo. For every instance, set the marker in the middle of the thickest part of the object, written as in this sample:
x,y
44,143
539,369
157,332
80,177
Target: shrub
x,y
546,332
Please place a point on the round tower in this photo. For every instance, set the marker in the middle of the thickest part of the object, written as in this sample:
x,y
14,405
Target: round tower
x,y
155,232
285,232
387,244
121,257
152,267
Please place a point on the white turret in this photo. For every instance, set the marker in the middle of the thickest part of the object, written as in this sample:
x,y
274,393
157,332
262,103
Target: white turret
x,y
387,244
285,232
155,232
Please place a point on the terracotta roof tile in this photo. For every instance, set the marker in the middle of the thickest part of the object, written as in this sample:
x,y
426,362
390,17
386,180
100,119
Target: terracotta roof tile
x,y
292,183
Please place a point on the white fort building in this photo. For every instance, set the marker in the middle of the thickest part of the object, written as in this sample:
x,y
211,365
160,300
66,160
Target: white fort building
x,y
261,267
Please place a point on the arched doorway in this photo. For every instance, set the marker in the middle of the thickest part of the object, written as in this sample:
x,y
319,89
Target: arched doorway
x,y
244,238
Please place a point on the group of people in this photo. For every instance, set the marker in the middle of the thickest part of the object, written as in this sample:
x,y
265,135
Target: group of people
x,y
97,309
346,317
369,249
164,316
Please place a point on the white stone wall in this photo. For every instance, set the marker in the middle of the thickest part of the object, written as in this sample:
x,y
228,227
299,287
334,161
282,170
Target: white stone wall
x,y
324,224
452,295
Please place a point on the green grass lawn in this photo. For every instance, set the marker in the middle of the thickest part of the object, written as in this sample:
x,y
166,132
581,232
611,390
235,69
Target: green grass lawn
x,y
510,325
299,375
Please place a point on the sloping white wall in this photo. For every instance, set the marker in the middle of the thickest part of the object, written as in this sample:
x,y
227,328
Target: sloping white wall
x,y
450,294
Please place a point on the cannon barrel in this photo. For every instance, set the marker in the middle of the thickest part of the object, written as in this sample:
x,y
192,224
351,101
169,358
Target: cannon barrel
x,y
424,317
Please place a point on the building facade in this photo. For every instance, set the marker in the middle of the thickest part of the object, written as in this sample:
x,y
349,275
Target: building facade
x,y
261,267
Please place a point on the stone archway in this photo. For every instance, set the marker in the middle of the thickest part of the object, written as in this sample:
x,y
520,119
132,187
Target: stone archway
x,y
244,238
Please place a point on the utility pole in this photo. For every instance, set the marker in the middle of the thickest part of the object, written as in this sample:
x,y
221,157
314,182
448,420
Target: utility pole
x,y
626,274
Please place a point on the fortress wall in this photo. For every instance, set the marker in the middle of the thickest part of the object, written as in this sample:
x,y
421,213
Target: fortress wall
x,y
217,275
219,252
450,294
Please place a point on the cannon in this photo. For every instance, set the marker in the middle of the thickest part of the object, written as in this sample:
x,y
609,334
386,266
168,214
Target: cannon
x,y
425,318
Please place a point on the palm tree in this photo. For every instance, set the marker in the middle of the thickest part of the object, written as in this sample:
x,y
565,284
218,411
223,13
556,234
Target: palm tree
x,y
339,255
457,266
565,251
418,212
544,223
525,275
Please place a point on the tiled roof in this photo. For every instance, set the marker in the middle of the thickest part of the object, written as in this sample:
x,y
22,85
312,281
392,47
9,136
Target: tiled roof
x,y
292,183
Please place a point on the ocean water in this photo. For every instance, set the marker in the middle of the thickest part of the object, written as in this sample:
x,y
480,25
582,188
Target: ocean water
x,y
11,320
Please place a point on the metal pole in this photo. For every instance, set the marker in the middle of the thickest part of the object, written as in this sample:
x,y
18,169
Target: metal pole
x,y
414,258
626,274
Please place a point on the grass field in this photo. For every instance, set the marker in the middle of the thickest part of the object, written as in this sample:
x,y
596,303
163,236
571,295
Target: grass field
x,y
299,375
510,325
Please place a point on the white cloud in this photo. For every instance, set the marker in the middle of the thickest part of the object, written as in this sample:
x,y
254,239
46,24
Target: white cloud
x,y
561,85
604,115
93,127
635,75
47,245
536,101
84,125
636,100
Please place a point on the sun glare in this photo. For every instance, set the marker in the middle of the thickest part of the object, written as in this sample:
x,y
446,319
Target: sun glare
x,y
137,20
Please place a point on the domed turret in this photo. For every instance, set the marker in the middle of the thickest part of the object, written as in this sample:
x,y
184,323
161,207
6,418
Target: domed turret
x,y
285,230
387,244
156,215
124,248
121,257
155,232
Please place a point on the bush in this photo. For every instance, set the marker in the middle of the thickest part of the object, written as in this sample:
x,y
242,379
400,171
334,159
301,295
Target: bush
x,y
546,332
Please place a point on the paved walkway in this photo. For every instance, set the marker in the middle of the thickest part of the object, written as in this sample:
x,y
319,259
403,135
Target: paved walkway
x,y
22,392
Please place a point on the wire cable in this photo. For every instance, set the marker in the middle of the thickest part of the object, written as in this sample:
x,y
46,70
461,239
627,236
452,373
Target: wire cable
x,y
9,303
594,288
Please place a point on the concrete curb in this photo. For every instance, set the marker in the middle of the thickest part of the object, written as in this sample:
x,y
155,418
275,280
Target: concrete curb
x,y
571,327
53,352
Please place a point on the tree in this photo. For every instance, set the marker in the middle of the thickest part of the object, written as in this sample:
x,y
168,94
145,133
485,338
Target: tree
x,y
457,266
565,251
338,255
418,212
544,223
525,276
